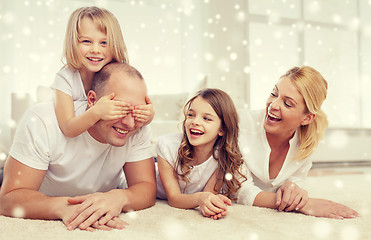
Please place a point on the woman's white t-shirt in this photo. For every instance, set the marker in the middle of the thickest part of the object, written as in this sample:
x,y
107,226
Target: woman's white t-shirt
x,y
256,151
167,148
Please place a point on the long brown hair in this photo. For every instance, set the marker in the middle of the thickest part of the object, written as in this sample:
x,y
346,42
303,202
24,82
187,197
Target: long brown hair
x,y
225,150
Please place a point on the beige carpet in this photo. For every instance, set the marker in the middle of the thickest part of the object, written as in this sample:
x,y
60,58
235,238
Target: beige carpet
x,y
248,223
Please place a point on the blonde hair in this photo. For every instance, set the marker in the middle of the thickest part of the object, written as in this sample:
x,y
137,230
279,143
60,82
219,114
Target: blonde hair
x,y
313,87
106,22
225,150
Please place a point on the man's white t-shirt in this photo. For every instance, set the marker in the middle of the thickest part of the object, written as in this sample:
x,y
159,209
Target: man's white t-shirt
x,y
69,81
256,151
74,166
167,148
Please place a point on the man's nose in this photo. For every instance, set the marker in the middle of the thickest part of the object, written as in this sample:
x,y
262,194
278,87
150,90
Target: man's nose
x,y
128,121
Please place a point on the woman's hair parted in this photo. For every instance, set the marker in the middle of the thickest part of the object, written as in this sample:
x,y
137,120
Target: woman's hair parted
x,y
313,87
225,150
106,22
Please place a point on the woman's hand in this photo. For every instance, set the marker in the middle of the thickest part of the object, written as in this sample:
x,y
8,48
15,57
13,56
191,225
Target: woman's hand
x,y
326,208
291,197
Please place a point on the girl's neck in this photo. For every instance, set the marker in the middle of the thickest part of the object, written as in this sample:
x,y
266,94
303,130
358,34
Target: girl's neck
x,y
87,79
201,154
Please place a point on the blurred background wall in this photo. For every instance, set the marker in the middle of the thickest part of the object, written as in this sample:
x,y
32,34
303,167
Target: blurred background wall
x,y
240,46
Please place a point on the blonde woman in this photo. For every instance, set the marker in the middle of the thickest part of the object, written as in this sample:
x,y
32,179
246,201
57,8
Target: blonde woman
x,y
277,143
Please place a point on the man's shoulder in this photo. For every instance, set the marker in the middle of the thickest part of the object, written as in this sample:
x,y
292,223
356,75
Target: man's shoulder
x,y
42,110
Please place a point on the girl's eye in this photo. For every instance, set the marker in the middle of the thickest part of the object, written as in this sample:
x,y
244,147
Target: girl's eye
x,y
207,119
104,43
85,41
190,115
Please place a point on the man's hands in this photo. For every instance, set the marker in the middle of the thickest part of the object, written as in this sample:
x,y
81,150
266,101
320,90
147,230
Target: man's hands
x,y
95,211
213,206
291,197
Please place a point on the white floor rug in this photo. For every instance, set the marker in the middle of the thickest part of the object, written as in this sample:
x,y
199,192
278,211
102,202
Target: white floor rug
x,y
248,223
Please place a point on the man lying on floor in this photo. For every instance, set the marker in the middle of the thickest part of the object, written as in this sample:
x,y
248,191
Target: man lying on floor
x,y
51,176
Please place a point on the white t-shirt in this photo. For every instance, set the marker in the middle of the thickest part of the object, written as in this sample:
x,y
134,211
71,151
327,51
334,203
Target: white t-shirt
x,y
75,166
167,148
69,81
256,151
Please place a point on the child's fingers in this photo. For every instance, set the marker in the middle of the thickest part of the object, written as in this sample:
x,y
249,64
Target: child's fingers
x,y
219,203
148,100
109,96
278,197
294,203
206,211
302,203
225,199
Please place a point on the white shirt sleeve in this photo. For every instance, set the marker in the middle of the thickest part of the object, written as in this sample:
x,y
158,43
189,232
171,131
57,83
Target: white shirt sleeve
x,y
69,81
248,191
141,147
167,147
299,176
31,144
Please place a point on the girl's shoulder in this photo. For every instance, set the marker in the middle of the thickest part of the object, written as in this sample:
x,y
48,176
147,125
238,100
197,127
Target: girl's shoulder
x,y
68,73
170,139
167,145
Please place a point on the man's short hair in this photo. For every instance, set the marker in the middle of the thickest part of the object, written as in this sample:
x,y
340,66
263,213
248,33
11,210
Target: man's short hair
x,y
101,77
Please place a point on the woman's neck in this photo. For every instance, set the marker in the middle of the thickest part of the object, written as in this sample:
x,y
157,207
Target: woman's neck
x,y
277,141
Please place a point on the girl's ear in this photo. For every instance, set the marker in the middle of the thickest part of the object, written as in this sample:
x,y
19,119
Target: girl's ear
x,y
308,119
221,132
92,98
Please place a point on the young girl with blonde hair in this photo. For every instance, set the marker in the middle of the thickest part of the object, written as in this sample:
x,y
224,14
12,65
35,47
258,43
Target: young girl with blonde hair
x,y
278,141
93,39
201,166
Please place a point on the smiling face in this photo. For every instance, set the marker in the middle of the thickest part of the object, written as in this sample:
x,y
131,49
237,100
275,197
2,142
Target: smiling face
x,y
285,110
202,124
129,89
93,47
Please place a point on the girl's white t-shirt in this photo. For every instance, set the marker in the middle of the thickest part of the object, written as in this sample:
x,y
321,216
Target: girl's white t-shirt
x,y
256,151
69,81
167,148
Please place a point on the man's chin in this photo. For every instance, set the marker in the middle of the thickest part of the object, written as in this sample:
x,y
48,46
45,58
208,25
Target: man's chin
x,y
118,143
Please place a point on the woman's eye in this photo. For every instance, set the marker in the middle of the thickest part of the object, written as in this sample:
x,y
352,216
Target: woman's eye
x,y
273,95
287,104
